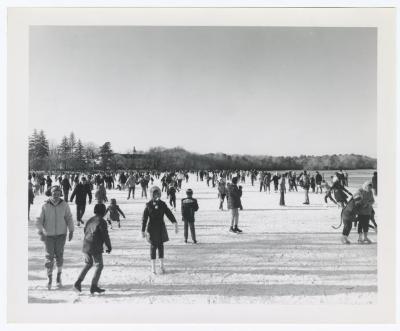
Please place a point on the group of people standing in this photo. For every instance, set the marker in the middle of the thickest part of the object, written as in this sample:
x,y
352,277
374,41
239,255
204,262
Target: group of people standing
x,y
56,221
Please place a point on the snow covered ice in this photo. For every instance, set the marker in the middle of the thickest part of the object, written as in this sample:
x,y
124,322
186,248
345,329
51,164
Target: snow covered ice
x,y
285,255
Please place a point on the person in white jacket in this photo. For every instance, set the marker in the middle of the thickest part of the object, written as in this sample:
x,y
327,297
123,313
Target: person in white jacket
x,y
54,222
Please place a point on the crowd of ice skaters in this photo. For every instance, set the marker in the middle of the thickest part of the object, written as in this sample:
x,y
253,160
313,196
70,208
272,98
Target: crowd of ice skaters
x,y
56,220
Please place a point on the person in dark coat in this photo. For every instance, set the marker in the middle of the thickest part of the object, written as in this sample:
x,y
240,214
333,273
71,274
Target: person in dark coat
x,y
81,192
340,192
48,182
172,195
144,183
282,189
318,182
66,186
153,226
234,203
189,206
114,211
96,235
275,179
312,183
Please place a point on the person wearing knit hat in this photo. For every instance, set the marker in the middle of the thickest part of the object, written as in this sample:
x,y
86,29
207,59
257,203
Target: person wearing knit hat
x,y
154,228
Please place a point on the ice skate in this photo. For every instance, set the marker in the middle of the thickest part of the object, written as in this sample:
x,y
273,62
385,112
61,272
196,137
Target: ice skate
x,y
153,267
58,280
231,229
162,268
49,282
237,230
367,241
345,241
77,286
96,289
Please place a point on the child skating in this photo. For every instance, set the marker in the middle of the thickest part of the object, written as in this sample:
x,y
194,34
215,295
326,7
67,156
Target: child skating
x,y
154,229
114,212
189,207
96,235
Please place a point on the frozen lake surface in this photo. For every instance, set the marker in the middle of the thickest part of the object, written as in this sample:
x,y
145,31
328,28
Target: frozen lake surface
x,y
285,255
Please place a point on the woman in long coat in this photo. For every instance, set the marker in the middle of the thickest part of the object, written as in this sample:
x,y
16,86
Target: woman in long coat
x,y
153,226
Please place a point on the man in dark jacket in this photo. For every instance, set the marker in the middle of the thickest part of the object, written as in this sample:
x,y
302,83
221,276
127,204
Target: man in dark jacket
x,y
66,185
234,203
318,182
81,191
96,235
188,207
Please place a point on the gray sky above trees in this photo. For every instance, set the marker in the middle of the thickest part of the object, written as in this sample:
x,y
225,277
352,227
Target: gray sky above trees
x,y
254,90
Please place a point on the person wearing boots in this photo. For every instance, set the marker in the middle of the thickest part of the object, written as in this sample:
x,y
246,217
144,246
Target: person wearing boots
x,y
234,203
81,191
153,226
189,206
54,222
348,215
66,186
95,236
366,197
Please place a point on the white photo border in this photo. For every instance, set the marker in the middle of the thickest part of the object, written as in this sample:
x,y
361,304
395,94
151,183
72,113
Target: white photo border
x,y
19,21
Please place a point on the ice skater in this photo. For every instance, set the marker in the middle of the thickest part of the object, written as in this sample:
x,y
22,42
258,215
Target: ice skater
x,y
234,203
189,206
114,212
95,236
172,195
154,229
367,200
54,222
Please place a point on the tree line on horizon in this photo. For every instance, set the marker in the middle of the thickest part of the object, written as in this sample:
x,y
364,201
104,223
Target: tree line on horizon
x,y
73,154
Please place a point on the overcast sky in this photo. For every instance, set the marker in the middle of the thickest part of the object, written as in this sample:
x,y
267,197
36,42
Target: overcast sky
x,y
246,90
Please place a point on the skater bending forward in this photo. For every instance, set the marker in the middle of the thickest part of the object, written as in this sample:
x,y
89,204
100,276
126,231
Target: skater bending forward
x,y
95,236
153,226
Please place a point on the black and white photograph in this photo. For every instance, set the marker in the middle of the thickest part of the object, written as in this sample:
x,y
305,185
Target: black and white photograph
x,y
202,164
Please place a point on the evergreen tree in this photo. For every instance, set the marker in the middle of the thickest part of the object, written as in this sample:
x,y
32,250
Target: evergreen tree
x,y
38,150
32,149
106,155
79,156
42,149
64,152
